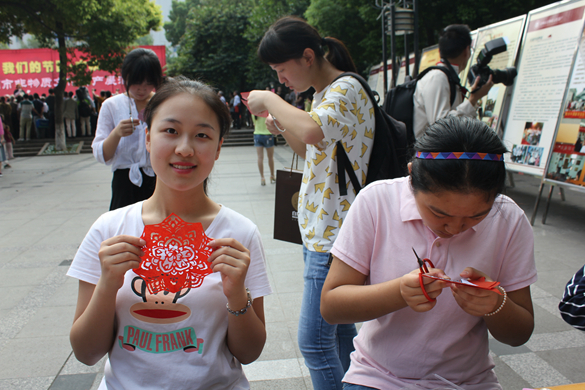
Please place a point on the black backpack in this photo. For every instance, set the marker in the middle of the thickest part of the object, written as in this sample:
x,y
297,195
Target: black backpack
x,y
399,102
389,156
84,108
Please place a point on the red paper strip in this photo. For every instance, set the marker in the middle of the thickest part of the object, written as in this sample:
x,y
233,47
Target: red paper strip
x,y
478,283
244,95
175,255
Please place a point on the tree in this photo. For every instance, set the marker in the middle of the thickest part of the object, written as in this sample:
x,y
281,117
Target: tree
x,y
101,30
353,22
213,47
264,14
175,27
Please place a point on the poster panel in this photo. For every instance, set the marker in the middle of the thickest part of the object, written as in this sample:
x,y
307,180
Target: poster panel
x,y
430,56
511,30
37,70
550,39
463,74
565,164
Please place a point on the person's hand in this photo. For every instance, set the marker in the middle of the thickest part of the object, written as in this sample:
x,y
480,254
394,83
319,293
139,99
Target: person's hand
x,y
117,255
271,124
231,259
256,102
411,290
125,128
481,92
475,301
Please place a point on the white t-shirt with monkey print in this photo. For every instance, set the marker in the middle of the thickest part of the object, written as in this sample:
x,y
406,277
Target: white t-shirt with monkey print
x,y
344,112
171,340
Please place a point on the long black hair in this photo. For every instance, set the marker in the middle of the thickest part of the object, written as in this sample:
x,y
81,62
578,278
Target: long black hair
x,y
288,38
459,134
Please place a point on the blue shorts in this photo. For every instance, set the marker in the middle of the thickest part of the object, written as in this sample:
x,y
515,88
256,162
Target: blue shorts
x,y
266,141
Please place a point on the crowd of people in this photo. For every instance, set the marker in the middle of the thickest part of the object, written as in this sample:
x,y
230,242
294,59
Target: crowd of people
x,y
32,116
162,138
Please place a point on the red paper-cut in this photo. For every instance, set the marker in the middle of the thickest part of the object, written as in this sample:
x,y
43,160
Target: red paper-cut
x,y
477,283
244,96
175,255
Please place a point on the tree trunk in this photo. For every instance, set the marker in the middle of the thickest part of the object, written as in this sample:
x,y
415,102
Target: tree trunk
x,y
60,143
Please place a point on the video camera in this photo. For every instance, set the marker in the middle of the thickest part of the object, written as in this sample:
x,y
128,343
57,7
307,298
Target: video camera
x,y
483,71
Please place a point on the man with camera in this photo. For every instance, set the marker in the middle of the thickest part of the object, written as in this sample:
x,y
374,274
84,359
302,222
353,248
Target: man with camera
x,y
432,97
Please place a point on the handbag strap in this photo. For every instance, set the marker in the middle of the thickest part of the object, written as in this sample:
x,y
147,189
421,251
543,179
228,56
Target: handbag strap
x,y
293,163
343,164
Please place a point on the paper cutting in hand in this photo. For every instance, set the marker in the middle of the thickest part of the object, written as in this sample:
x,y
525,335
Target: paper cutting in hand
x,y
478,283
245,95
175,255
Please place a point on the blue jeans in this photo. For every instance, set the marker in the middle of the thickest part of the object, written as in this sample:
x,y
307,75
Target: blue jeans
x,y
325,347
350,386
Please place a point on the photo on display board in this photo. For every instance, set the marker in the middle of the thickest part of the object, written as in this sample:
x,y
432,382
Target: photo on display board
x,y
568,157
528,155
575,104
487,111
532,133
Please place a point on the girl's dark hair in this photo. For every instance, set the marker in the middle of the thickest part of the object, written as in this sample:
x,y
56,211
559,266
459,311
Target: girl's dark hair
x,y
454,39
181,84
288,38
141,65
459,134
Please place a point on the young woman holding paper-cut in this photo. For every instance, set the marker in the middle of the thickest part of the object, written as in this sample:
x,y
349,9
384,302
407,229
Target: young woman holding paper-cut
x,y
451,211
185,336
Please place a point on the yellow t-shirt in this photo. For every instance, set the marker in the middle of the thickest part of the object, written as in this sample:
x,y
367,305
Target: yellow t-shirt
x,y
344,112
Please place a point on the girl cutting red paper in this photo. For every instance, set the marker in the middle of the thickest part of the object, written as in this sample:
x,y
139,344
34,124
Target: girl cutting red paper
x,y
451,210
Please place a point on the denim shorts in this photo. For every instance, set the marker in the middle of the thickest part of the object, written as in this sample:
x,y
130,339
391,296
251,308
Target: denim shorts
x,y
264,140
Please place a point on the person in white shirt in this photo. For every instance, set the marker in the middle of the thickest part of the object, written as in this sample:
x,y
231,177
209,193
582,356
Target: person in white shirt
x,y
432,97
119,137
158,332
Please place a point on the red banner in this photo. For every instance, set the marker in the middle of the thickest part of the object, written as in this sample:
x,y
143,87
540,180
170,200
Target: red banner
x,y
565,148
575,114
569,16
37,70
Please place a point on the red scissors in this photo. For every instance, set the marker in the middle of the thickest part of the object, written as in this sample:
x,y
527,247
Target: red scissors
x,y
422,265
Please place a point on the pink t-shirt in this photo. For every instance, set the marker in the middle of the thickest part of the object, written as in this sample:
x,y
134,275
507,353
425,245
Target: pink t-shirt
x,y
377,237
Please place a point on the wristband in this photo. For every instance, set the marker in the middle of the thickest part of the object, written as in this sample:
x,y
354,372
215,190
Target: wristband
x,y
501,306
275,125
245,309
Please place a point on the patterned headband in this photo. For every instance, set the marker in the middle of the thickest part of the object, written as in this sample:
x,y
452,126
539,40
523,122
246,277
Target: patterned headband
x,y
459,156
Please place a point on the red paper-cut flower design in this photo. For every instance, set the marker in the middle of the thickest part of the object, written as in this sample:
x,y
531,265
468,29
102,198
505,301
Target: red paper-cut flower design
x,y
175,255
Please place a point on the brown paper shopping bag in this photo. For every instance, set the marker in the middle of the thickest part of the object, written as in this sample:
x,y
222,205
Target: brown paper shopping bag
x,y
288,184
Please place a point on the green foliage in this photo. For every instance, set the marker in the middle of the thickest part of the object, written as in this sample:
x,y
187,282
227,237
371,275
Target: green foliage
x,y
266,12
146,40
213,47
175,28
353,22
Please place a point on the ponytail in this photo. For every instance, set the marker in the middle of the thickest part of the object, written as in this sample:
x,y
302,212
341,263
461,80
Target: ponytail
x,y
338,55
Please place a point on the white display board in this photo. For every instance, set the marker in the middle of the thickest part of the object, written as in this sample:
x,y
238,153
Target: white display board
x,y
511,30
551,36
565,166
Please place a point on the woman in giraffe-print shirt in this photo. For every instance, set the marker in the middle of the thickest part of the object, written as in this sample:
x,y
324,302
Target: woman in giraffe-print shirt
x,y
341,111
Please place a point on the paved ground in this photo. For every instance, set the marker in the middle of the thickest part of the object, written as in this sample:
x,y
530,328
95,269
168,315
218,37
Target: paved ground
x,y
47,204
